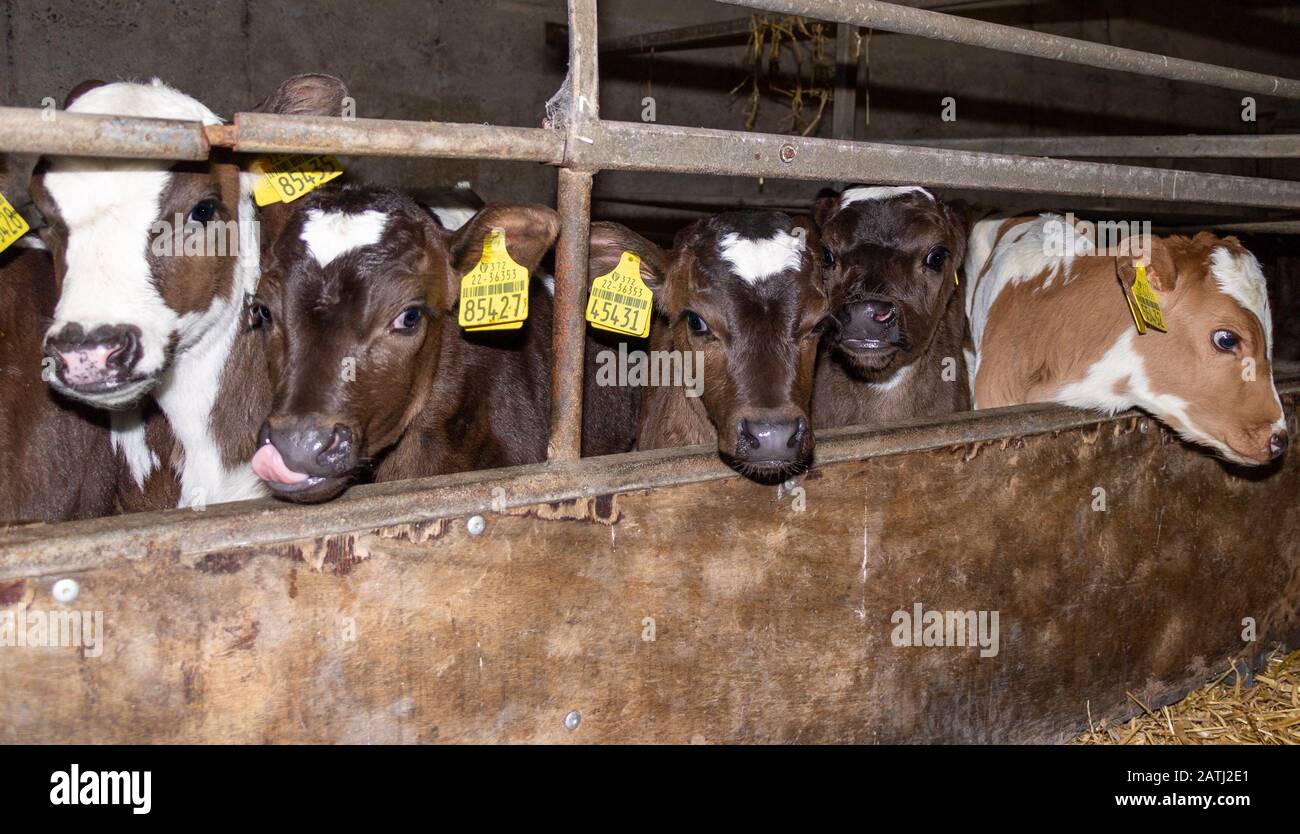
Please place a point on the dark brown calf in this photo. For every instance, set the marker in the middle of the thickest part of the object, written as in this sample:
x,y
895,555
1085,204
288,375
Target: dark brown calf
x,y
740,298
891,256
56,460
373,378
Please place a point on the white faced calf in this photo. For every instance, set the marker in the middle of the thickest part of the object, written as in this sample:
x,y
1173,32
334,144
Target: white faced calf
x,y
155,261
1054,327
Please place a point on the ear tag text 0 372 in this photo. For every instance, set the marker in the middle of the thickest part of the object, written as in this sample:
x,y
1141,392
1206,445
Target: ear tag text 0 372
x,y
12,224
620,301
494,294
286,178
1146,304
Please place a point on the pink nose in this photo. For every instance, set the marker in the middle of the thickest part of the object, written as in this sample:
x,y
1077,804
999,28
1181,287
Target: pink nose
x,y
87,365
106,355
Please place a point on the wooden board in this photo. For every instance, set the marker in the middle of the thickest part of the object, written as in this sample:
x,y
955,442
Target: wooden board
x,y
712,610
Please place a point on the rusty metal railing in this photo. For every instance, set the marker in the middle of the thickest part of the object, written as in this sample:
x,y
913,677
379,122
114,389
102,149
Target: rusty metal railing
x,y
580,143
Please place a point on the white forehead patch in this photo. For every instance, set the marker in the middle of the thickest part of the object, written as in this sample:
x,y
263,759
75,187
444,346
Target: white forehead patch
x,y
863,194
330,234
754,260
1239,276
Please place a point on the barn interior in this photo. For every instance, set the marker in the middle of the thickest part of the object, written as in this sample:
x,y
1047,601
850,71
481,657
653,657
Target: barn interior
x,y
712,65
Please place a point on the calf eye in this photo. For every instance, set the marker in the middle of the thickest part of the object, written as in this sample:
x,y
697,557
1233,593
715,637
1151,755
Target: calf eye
x,y
204,211
828,257
407,319
261,315
936,258
1225,340
695,323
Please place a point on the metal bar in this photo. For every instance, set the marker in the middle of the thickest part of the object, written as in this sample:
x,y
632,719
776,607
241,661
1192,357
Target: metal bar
x,y
644,147
33,130
574,205
1282,146
270,133
844,103
703,36
1262,227
582,109
903,20
43,550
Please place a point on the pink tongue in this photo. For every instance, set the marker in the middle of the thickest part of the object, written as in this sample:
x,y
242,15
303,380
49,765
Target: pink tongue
x,y
269,466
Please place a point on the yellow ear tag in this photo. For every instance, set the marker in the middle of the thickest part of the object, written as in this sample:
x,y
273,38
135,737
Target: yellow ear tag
x,y
494,294
1146,304
955,282
12,224
620,301
286,178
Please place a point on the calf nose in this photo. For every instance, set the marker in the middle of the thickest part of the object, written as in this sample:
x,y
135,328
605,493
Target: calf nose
x,y
1277,444
105,355
875,320
304,448
771,439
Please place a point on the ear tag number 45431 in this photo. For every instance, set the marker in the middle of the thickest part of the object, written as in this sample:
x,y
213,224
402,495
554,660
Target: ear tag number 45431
x,y
620,300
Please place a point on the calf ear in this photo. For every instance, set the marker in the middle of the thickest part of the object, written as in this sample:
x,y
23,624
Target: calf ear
x,y
1162,272
823,208
81,89
958,213
312,94
530,232
608,243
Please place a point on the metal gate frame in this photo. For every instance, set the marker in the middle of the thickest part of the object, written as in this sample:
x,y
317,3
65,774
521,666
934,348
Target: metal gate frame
x,y
580,144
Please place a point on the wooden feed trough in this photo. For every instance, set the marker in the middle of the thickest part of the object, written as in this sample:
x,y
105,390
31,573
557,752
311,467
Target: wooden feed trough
x,y
659,597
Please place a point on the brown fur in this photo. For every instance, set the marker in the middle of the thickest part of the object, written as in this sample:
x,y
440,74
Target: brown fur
x,y
761,346
879,248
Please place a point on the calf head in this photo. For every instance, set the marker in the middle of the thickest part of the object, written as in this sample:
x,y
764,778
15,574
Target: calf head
x,y
150,256
1210,376
744,290
359,293
890,255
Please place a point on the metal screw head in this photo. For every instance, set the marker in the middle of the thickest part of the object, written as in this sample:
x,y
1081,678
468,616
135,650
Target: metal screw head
x,y
65,590
788,152
476,525
572,720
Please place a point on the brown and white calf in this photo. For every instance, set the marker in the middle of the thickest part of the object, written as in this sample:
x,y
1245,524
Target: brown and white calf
x,y
137,319
743,291
891,256
1049,322
373,378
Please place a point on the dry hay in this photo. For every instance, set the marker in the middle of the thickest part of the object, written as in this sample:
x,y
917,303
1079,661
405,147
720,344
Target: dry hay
x,y
1218,713
812,81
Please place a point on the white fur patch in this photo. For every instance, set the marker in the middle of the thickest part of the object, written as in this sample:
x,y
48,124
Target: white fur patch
x,y
1239,276
452,217
863,194
128,439
331,234
754,260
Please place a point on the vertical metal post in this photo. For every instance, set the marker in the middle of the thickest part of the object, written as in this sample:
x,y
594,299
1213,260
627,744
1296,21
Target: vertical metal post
x,y
574,205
